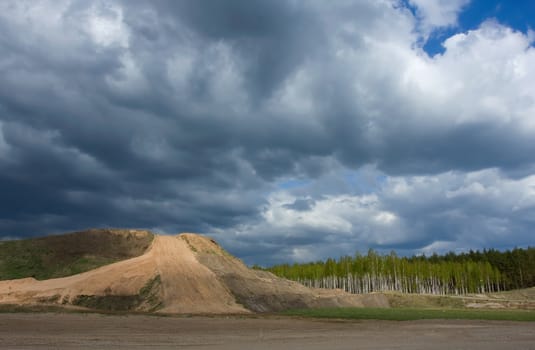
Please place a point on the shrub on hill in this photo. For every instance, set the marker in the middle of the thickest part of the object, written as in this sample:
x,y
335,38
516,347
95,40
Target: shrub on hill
x,y
69,254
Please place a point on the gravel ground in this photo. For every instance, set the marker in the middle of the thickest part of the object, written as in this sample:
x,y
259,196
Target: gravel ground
x,y
83,331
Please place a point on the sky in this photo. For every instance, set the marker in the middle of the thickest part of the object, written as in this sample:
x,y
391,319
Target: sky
x,y
288,131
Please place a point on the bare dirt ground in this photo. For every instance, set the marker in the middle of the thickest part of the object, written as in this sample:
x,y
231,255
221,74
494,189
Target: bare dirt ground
x,y
514,299
84,331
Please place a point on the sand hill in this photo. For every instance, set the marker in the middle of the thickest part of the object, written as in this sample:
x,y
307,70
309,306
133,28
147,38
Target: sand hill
x,y
187,273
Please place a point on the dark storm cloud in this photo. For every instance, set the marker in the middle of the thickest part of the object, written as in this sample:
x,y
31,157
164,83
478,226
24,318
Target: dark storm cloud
x,y
301,204
271,38
188,115
468,147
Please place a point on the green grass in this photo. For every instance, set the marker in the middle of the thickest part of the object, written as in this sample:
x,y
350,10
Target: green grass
x,y
408,314
69,254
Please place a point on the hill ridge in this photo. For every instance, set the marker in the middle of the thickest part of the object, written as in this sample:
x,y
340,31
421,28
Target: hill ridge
x,y
71,253
184,273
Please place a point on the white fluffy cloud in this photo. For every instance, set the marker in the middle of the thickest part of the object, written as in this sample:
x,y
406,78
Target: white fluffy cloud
x,y
484,75
344,215
432,213
437,13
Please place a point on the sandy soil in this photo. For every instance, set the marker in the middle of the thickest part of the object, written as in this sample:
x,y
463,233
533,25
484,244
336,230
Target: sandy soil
x,y
168,257
84,331
122,278
514,299
187,285
197,277
262,291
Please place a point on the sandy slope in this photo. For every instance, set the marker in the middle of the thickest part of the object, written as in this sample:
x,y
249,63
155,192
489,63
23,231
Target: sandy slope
x,y
262,291
197,276
187,285
122,278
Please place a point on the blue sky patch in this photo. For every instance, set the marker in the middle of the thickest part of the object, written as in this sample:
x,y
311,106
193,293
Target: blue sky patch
x,y
519,15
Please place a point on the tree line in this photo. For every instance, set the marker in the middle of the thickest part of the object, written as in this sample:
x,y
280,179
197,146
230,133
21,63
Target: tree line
x,y
472,272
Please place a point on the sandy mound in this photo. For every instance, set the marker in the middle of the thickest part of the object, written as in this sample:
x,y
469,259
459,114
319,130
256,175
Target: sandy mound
x,y
178,274
262,291
181,284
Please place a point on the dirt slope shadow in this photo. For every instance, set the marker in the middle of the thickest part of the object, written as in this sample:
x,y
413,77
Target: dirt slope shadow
x,y
261,291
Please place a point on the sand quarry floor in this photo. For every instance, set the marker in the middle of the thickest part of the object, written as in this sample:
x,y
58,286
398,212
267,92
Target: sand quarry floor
x,y
95,331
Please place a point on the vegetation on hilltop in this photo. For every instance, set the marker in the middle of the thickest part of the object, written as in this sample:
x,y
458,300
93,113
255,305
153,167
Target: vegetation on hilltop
x,y
69,254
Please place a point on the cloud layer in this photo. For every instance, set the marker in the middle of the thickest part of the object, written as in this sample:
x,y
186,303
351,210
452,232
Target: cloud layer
x,y
288,130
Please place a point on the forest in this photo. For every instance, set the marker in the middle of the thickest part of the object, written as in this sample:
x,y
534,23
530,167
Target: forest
x,y
472,272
